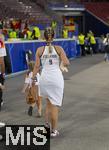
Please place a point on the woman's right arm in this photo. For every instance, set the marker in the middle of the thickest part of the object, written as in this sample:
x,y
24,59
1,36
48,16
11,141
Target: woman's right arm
x,y
63,56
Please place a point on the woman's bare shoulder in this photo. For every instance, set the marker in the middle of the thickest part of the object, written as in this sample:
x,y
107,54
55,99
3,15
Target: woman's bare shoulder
x,y
58,47
40,50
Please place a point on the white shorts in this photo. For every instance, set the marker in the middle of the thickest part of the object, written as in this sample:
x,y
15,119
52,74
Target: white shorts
x,y
2,52
28,81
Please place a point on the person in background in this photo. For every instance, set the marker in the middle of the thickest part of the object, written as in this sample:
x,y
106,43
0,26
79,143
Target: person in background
x,y
65,33
13,34
91,41
106,45
81,39
2,67
25,33
5,33
54,26
101,44
1,24
29,34
20,34
51,79
32,93
36,33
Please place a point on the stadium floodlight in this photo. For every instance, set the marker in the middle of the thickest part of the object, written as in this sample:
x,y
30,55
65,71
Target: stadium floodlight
x,y
66,6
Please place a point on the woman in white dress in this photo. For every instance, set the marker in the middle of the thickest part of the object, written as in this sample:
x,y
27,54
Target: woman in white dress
x,y
51,79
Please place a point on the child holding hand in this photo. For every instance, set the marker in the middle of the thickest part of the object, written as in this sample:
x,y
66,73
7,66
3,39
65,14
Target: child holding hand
x,y
31,90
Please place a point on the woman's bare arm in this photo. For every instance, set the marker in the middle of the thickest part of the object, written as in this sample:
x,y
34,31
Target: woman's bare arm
x,y
37,63
62,55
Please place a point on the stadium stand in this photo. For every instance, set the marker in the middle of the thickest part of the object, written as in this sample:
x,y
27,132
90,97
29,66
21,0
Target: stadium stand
x,y
101,10
23,9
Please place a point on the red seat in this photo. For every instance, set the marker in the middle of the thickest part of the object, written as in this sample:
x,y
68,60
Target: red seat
x,y
100,9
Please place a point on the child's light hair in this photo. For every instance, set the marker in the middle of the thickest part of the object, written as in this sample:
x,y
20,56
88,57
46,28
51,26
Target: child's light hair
x,y
31,65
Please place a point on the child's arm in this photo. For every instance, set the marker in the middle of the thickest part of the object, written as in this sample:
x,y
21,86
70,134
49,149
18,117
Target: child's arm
x,y
25,87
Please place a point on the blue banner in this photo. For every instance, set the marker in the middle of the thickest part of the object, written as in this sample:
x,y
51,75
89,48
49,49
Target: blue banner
x,y
17,51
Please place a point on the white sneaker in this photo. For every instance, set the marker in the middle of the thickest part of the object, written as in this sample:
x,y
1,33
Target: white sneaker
x,y
55,133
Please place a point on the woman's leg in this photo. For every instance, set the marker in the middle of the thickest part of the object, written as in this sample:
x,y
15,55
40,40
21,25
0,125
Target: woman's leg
x,y
54,120
52,113
51,116
54,117
47,112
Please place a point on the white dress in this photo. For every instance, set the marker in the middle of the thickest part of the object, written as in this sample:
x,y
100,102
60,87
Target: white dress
x,y
51,79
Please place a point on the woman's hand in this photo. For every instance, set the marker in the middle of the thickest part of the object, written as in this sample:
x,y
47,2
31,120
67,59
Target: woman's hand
x,y
63,68
34,80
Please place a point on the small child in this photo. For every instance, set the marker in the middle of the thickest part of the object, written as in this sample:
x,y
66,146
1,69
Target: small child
x,y
31,90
